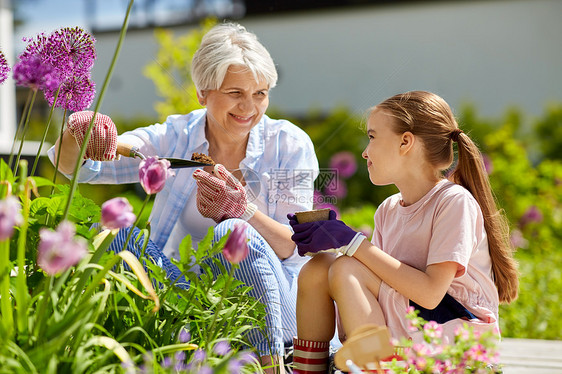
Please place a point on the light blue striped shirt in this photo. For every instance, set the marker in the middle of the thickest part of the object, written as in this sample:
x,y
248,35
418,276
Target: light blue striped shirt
x,y
279,155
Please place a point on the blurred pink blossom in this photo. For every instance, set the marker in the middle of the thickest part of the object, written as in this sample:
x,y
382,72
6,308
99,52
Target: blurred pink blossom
x,y
236,247
59,250
153,174
10,216
532,215
117,213
337,188
345,163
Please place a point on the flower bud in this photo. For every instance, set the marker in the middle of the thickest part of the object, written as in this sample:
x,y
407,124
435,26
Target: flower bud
x,y
59,250
117,213
153,174
10,216
236,247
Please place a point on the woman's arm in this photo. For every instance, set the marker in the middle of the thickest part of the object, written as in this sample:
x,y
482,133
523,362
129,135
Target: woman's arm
x,y
277,235
69,152
425,288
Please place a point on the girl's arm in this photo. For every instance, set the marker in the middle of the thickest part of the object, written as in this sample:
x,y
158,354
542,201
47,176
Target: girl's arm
x,y
425,288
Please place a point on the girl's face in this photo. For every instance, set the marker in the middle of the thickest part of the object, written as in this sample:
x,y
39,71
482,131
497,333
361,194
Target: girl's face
x,y
383,151
240,102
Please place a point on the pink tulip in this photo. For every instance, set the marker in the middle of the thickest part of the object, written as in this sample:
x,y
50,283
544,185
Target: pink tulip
x,y
236,247
117,213
10,216
153,174
60,249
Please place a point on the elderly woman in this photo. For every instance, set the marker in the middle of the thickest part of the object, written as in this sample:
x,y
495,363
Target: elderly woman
x,y
273,159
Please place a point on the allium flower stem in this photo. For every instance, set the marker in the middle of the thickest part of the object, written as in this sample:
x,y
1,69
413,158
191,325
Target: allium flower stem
x,y
96,108
136,221
59,151
5,298
45,133
19,130
24,131
21,277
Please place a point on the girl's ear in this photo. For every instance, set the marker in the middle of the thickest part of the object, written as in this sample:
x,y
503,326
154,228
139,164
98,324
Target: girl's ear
x,y
201,97
407,142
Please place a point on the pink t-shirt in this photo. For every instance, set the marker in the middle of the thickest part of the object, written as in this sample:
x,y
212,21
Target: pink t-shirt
x,y
444,225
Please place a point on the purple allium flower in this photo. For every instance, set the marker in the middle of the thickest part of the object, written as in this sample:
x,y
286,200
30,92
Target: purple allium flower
x,y
532,215
117,213
236,247
234,366
10,216
153,174
167,362
247,357
4,68
59,250
76,93
35,74
205,370
345,163
199,356
185,336
74,50
222,348
179,356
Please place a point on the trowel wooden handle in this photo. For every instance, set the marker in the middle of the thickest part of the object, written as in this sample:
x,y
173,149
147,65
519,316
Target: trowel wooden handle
x,y
126,150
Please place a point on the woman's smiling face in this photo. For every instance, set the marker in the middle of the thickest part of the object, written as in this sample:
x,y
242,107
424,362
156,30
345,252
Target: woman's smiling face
x,y
239,104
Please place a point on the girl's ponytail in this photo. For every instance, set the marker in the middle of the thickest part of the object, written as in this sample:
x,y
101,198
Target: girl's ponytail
x,y
430,118
471,174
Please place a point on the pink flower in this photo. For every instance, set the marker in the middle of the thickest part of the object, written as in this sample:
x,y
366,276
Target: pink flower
x,y
236,247
153,174
518,240
117,213
433,330
59,250
337,188
10,216
345,164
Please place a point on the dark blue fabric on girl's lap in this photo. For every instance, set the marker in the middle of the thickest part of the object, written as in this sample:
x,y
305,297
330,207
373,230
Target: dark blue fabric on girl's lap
x,y
448,309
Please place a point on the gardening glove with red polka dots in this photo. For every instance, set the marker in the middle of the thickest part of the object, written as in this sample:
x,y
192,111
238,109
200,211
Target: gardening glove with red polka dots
x,y
325,236
102,145
222,196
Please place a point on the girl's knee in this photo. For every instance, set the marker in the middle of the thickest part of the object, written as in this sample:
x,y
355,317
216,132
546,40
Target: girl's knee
x,y
315,272
341,272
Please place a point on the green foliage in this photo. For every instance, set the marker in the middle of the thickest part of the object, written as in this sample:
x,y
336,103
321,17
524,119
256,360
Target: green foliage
x,y
171,70
549,133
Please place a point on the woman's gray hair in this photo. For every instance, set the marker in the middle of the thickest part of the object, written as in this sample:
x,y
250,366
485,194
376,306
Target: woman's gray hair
x,y
225,45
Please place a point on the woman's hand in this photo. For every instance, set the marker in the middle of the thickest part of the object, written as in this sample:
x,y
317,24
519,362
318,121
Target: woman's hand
x,y
102,145
222,196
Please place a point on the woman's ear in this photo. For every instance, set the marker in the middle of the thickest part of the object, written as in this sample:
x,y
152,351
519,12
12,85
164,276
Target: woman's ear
x,y
406,142
201,97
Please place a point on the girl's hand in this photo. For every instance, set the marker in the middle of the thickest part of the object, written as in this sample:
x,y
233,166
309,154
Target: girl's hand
x,y
318,236
222,196
102,145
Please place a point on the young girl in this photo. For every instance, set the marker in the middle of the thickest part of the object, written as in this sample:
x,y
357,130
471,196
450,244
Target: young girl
x,y
440,245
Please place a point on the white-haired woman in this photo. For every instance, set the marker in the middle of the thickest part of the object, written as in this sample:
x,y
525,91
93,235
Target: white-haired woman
x,y
233,73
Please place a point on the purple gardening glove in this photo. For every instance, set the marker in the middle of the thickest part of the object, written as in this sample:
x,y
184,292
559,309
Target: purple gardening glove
x,y
332,235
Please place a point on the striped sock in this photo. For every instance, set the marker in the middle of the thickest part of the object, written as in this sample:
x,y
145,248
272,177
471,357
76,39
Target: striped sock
x,y
310,357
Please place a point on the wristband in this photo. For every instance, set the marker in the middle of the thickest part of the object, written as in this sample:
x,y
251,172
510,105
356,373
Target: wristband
x,y
249,212
354,244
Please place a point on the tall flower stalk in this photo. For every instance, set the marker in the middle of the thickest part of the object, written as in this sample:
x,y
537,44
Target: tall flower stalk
x,y
74,180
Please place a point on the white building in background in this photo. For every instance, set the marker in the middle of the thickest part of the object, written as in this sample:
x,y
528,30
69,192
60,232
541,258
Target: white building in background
x,y
493,54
